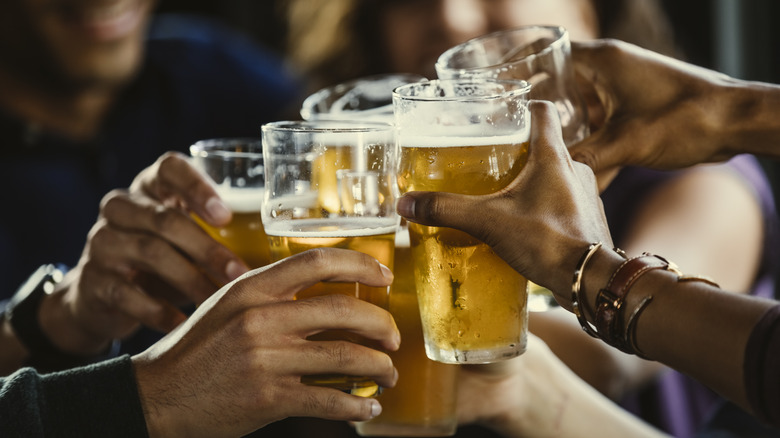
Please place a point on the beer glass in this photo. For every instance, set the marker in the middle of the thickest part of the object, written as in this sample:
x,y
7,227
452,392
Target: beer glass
x,y
366,98
469,137
235,168
423,402
332,184
540,55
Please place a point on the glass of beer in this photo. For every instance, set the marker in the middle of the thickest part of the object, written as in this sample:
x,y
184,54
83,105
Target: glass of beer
x,y
365,98
469,137
423,402
540,55
332,184
235,167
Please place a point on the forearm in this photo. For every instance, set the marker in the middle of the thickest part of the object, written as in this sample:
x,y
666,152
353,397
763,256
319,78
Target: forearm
x,y
565,406
749,121
690,326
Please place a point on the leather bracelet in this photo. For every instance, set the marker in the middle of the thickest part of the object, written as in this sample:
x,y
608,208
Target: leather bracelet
x,y
609,302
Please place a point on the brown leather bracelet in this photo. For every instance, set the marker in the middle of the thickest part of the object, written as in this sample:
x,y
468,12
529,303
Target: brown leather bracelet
x,y
609,302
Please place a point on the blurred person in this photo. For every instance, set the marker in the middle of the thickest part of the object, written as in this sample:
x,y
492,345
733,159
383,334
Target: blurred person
x,y
90,93
714,220
728,341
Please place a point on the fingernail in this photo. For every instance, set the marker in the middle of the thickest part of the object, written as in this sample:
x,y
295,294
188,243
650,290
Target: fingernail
x,y
395,375
405,206
217,210
386,272
235,269
376,408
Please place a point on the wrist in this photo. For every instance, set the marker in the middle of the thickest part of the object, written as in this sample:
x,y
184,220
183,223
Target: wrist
x,y
64,330
748,123
25,314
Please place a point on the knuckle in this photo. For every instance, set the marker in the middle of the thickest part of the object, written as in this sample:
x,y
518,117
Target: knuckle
x,y
341,306
166,220
317,259
341,353
150,250
111,206
432,207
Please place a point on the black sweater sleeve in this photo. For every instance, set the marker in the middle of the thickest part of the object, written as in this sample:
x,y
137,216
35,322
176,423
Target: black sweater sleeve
x,y
762,367
99,400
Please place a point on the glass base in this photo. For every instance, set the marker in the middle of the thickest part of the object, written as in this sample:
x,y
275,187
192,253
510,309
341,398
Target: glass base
x,y
369,428
474,356
359,386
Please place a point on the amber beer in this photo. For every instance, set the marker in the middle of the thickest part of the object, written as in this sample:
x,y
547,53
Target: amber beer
x,y
372,236
244,235
423,401
473,304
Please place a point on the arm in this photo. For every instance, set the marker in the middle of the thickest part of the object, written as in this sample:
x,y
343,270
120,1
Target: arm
x,y
664,113
706,219
234,366
690,326
536,395
144,257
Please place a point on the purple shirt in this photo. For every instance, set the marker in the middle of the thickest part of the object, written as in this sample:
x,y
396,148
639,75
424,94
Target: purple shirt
x,y
674,402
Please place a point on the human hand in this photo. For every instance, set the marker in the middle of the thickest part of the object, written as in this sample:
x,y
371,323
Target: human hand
x,y
519,397
144,257
540,223
536,396
236,364
659,112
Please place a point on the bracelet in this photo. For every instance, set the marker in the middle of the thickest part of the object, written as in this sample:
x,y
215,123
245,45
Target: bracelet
x,y
609,302
576,284
610,299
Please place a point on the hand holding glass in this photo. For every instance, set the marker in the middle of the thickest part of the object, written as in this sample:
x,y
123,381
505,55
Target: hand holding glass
x,y
235,167
332,184
468,137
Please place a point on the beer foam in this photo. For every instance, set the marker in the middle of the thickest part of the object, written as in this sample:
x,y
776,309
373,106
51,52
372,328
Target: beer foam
x,y
248,200
336,227
455,138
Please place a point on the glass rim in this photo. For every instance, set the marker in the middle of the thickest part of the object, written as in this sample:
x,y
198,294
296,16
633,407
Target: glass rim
x,y
350,84
323,126
219,147
523,87
559,31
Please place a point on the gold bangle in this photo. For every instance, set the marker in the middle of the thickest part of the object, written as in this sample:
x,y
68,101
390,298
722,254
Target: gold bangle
x,y
576,285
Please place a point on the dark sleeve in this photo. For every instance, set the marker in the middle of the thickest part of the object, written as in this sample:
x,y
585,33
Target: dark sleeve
x,y
99,400
762,367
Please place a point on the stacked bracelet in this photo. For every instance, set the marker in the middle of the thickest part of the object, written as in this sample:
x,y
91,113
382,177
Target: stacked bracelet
x,y
610,322
610,299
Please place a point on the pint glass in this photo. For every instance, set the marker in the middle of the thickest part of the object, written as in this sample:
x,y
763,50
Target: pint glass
x,y
332,184
366,98
235,167
423,402
540,55
468,137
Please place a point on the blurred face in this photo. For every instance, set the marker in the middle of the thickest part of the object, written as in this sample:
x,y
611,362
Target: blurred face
x,y
417,32
73,42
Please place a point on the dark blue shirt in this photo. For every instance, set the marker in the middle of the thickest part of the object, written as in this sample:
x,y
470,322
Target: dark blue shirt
x,y
198,80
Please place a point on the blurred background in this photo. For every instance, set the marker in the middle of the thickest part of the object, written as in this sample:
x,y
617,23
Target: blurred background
x,y
738,37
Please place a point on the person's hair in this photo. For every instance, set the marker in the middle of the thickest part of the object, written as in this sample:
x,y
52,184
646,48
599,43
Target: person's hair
x,y
331,41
